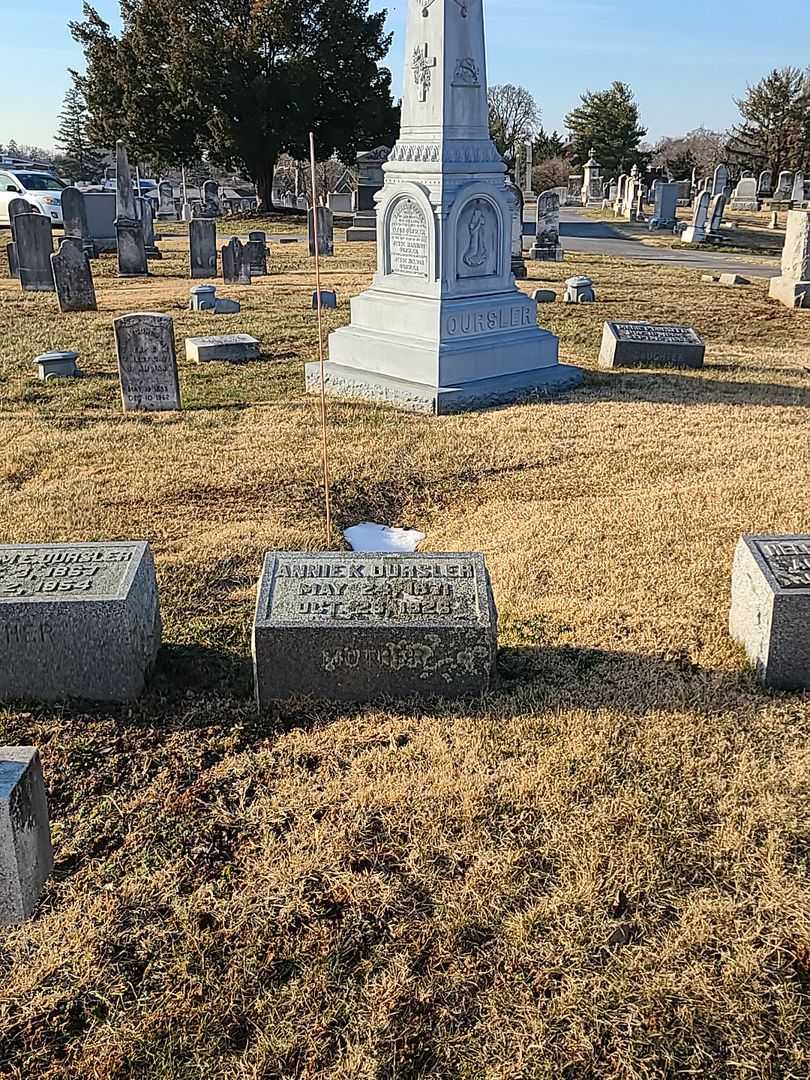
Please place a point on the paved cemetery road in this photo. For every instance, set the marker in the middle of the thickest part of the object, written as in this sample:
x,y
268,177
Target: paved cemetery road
x,y
580,233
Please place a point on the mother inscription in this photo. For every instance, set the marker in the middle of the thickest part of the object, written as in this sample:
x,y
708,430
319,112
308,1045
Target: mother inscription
x,y
77,620
147,362
357,627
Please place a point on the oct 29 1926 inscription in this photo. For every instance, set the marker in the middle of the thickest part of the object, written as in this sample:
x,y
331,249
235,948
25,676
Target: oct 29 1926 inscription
x,y
360,627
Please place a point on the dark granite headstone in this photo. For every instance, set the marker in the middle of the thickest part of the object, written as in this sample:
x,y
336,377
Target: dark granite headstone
x,y
326,231
167,211
13,265
357,627
147,363
211,204
257,249
202,241
147,209
639,344
73,277
232,255
34,241
74,215
128,226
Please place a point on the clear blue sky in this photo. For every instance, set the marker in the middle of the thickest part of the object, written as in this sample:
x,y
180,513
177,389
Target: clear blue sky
x,y
685,60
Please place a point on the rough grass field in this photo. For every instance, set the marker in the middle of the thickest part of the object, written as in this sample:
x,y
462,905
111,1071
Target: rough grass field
x,y
601,871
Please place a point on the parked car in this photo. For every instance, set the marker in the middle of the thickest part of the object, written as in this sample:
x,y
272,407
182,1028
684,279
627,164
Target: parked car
x,y
41,189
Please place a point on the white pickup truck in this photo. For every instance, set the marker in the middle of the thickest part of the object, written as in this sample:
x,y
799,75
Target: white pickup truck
x,y
41,189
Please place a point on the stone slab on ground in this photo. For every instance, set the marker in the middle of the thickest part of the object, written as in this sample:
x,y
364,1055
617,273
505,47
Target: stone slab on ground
x,y
770,608
640,344
361,627
26,855
222,347
77,620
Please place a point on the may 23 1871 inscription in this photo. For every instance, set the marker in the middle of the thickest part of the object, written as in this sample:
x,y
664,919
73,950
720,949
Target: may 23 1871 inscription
x,y
363,627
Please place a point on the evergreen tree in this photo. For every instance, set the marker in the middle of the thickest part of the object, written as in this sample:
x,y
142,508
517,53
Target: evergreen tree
x,y
775,128
547,146
240,82
79,159
609,122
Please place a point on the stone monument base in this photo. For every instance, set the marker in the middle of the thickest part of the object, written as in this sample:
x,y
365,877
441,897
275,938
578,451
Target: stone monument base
x,y
440,400
693,235
546,253
793,294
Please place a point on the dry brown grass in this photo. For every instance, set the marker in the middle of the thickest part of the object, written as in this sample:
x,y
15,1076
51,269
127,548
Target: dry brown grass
x,y
602,871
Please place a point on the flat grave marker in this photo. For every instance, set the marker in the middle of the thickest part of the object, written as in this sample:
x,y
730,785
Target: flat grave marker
x,y
639,344
77,620
770,608
228,347
359,627
26,855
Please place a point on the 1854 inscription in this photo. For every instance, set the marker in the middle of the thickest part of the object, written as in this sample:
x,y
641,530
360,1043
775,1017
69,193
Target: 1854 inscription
x,y
408,239
29,572
788,561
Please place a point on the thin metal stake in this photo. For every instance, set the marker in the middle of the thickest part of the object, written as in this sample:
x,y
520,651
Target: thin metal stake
x,y
324,443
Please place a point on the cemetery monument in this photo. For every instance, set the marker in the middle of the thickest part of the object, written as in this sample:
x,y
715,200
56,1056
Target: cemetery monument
x,y
443,326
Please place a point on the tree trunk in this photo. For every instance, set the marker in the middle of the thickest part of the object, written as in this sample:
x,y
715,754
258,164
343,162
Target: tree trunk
x,y
263,179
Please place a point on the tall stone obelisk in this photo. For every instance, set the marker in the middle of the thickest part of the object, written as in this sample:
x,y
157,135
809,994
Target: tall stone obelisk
x,y
128,227
443,327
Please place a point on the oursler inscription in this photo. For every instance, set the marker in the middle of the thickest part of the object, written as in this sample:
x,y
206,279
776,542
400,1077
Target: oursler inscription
x,y
408,244
77,620
360,627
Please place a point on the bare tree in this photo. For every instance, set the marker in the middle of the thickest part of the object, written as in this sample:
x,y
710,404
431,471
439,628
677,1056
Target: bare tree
x,y
514,117
700,149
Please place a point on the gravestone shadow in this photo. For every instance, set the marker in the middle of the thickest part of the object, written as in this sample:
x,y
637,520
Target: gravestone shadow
x,y
659,387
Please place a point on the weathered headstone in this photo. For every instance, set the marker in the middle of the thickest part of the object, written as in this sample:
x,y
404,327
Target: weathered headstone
x,y
793,288
765,183
716,211
640,344
519,268
546,246
147,213
770,608
353,627
224,347
34,242
797,195
99,208
784,187
665,214
696,232
340,202
74,216
13,264
592,183
167,210
326,231
202,239
370,181
257,253
720,181
73,278
632,196
147,363
26,855
232,256
77,620
745,195
618,205
128,226
211,204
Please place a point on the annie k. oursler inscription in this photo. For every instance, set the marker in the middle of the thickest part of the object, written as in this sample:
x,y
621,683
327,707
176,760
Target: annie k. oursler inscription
x,y
77,620
770,608
358,627
443,326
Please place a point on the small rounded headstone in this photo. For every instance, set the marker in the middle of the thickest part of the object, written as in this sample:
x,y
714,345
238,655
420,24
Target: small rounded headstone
x,y
544,296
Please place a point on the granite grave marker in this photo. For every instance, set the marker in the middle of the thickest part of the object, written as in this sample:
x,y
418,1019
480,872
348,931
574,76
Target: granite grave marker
x,y
147,363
